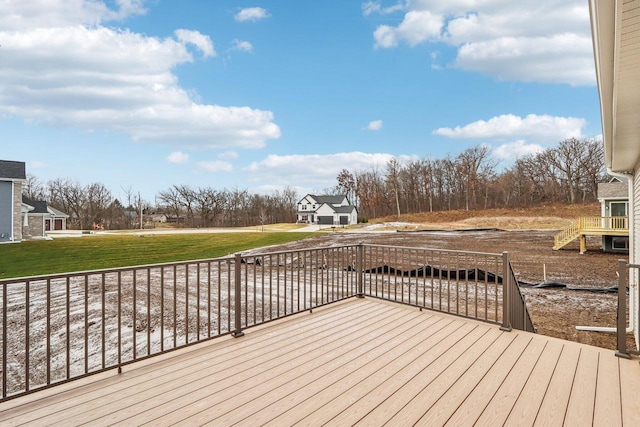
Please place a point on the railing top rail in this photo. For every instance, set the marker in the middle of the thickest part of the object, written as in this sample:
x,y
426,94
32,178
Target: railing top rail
x,y
434,250
109,270
55,276
288,251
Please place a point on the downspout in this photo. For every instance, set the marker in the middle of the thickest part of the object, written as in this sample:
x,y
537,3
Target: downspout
x,y
629,177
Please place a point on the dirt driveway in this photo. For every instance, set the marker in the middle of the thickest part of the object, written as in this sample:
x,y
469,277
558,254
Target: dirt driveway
x,y
555,312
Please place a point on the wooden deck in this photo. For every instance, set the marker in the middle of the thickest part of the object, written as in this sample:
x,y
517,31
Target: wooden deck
x,y
361,361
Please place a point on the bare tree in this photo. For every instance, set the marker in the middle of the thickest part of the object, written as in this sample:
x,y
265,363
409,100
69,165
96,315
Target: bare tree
x,y
97,201
393,180
347,185
33,188
172,202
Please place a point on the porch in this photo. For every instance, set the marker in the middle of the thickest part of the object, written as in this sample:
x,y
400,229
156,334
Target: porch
x,y
591,226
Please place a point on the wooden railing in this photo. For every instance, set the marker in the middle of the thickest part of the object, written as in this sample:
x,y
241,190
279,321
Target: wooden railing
x,y
598,225
604,223
567,235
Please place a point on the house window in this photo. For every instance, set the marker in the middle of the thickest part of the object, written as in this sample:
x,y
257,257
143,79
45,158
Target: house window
x,y
619,208
304,207
621,243
314,206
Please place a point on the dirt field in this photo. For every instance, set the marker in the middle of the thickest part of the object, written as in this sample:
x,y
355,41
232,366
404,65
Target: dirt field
x,y
555,312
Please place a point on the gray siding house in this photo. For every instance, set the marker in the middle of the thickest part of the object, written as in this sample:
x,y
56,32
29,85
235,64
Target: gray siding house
x,y
12,178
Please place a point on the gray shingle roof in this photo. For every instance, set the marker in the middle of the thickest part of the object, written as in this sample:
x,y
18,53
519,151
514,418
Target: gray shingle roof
x,y
344,209
332,200
40,206
12,170
608,190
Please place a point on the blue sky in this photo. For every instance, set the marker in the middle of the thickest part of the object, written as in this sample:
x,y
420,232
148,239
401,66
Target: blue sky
x,y
262,94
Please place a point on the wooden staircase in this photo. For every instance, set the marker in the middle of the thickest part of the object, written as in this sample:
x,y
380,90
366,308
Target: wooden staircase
x,y
566,236
593,226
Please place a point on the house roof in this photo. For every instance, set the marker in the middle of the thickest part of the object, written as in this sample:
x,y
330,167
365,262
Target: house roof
x,y
332,200
344,209
609,190
39,206
12,170
616,46
56,212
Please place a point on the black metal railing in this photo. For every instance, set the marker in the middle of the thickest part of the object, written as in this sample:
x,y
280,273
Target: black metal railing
x,y
57,328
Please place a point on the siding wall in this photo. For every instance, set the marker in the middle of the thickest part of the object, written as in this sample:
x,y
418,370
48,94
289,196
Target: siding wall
x,y
634,249
6,231
17,215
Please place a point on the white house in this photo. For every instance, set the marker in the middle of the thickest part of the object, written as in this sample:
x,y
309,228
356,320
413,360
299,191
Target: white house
x,y
616,45
12,178
326,210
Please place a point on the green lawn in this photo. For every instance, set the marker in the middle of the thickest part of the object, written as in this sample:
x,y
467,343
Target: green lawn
x,y
34,258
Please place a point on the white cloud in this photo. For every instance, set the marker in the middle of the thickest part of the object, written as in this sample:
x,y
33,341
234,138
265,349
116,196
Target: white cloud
x,y
200,41
314,170
542,59
94,77
215,166
375,125
371,7
417,27
228,155
529,40
539,128
251,14
178,157
20,15
514,150
241,45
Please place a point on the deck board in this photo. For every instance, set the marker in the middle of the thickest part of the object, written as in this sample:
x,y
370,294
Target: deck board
x,y
440,412
608,407
481,395
316,393
556,399
405,407
361,361
583,393
379,396
332,400
530,399
228,375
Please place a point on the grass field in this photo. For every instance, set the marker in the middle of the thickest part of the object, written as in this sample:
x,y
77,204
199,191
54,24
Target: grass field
x,y
33,258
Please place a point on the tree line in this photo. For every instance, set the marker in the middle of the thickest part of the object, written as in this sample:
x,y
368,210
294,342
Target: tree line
x,y
94,205
568,173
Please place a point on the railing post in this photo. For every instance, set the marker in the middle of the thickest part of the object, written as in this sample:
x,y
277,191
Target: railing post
x,y
359,269
506,293
621,324
238,297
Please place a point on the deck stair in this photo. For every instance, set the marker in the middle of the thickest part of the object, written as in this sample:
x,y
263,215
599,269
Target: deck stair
x,y
591,226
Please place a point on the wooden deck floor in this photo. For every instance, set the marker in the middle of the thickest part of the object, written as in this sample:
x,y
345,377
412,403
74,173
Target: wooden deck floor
x,y
363,362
